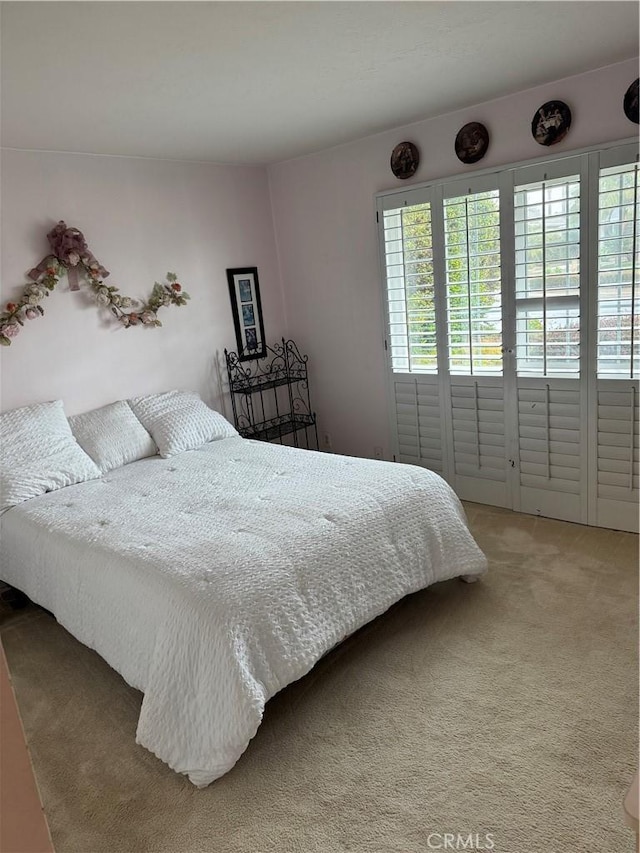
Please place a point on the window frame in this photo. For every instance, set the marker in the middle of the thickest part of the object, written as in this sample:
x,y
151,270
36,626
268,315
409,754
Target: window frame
x,y
588,162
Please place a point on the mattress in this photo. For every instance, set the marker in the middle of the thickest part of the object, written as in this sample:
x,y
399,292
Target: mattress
x,y
213,579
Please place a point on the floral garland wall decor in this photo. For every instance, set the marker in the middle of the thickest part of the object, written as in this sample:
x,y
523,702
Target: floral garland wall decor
x,y
70,255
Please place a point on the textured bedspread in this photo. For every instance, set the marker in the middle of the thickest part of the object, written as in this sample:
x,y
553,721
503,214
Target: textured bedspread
x,y
213,579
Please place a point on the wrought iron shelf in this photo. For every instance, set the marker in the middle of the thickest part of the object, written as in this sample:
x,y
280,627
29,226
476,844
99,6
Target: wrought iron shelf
x,y
270,395
285,425
248,385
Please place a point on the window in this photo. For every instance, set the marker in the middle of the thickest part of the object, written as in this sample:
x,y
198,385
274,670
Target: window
x,y
618,338
456,250
408,249
547,277
473,283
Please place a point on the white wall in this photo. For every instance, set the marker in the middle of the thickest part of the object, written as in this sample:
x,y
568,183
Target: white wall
x,y
141,218
325,228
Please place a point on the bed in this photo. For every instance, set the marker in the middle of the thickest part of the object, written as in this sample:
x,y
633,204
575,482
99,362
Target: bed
x,y
213,578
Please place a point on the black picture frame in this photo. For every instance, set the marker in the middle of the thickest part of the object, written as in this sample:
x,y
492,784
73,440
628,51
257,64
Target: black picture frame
x,y
244,292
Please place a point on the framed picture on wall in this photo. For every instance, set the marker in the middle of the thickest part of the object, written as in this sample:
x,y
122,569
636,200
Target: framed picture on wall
x,y
244,291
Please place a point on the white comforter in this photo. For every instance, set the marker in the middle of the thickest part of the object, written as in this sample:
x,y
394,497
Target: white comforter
x,y
213,579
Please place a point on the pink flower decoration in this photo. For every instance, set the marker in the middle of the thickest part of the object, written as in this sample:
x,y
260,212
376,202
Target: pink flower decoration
x,y
31,313
11,330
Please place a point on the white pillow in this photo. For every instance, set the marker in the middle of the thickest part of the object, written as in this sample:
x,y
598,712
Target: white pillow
x,y
112,436
39,454
179,420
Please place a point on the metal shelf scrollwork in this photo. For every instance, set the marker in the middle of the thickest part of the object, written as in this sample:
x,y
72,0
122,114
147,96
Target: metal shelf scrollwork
x,y
270,396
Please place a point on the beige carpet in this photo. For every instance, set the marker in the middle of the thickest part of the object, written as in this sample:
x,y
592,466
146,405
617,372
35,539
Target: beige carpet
x,y
506,707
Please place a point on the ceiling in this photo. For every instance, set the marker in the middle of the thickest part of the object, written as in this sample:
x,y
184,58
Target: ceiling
x,y
258,82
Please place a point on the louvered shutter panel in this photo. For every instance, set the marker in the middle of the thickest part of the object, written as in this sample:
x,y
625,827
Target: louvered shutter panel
x,y
618,442
419,421
478,430
551,441
473,283
618,343
547,249
408,251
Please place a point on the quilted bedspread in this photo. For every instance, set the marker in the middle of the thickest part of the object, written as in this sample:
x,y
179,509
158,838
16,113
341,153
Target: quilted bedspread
x,y
212,579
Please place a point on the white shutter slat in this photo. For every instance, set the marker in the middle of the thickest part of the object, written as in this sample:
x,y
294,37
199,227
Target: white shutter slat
x,y
607,478
554,485
617,439
617,493
485,418
471,438
554,422
484,472
424,433
570,436
557,460
619,425
533,444
483,403
570,410
614,398
469,460
485,392
619,466
424,455
618,412
463,447
539,395
555,472
609,452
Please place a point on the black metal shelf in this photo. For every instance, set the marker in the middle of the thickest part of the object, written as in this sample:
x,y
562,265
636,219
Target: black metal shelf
x,y
272,416
247,385
277,427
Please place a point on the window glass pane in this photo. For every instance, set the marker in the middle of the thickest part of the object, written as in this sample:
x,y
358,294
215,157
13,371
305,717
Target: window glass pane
x,y
618,337
547,277
473,283
410,288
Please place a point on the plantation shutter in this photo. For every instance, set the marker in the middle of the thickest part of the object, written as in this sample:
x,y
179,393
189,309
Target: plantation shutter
x,y
474,354
513,334
550,296
618,341
419,421
407,256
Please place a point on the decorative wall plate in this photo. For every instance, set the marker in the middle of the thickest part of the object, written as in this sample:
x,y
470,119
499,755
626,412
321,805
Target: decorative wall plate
x,y
405,159
551,123
631,102
472,142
